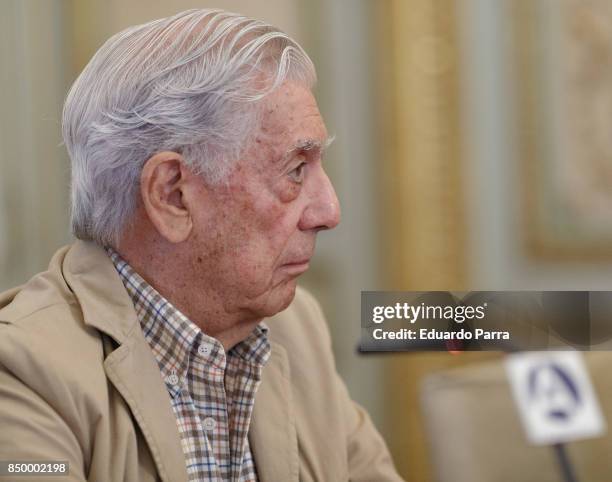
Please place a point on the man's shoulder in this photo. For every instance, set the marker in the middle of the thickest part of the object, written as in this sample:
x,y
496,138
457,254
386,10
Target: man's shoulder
x,y
29,327
44,290
45,307
43,338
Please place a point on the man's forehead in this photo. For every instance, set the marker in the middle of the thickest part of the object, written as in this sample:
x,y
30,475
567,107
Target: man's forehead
x,y
291,123
290,105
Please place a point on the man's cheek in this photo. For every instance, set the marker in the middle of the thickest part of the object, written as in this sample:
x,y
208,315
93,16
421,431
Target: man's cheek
x,y
266,209
250,265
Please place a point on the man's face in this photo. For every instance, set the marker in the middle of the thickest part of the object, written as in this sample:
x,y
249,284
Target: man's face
x,y
256,234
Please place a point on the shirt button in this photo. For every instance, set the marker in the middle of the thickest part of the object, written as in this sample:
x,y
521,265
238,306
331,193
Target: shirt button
x,y
172,379
209,424
204,349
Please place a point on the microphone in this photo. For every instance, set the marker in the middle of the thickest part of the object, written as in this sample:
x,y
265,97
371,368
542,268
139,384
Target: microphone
x,y
555,400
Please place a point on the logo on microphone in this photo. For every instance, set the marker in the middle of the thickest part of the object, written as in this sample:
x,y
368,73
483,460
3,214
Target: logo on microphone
x,y
554,396
552,390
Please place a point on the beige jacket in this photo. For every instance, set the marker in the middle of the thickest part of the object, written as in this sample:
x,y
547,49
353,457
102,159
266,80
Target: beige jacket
x,y
78,382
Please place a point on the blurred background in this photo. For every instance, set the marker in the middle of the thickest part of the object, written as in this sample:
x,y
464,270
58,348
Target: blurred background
x,y
473,152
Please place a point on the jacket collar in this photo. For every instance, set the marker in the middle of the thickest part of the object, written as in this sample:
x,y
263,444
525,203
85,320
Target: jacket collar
x,y
131,367
95,283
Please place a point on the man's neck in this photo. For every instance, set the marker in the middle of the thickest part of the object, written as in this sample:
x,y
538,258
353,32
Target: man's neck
x,y
207,312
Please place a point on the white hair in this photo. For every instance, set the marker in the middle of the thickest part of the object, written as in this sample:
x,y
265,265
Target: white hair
x,y
188,83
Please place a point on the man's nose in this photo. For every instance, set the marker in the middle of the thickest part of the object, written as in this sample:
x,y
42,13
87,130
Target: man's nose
x,y
323,210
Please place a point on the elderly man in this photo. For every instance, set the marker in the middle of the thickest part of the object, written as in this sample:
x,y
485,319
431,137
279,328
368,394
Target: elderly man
x,y
197,195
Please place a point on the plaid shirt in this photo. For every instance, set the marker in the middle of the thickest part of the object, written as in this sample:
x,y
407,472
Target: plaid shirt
x,y
212,393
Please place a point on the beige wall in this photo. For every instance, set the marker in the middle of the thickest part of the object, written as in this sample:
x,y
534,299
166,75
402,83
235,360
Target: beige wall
x,y
33,166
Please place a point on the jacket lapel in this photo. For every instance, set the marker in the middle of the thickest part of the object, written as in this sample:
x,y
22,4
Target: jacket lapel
x,y
135,374
272,434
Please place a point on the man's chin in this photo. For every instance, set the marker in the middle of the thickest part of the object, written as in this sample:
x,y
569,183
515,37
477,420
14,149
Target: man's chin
x,y
291,287
280,298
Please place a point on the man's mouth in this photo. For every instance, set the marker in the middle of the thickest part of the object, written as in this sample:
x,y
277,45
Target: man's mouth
x,y
297,267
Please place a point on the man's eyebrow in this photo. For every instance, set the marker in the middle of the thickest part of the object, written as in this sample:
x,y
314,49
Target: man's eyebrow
x,y
309,145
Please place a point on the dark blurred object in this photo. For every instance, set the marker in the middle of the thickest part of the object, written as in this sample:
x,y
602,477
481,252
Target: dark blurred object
x,y
580,318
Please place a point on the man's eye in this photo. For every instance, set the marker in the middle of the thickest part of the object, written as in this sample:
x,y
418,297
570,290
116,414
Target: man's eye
x,y
297,175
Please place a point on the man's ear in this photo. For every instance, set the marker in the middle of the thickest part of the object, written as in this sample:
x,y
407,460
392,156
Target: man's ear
x,y
163,180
